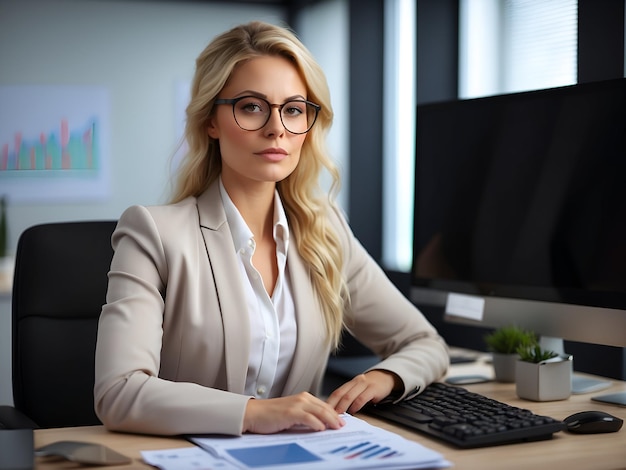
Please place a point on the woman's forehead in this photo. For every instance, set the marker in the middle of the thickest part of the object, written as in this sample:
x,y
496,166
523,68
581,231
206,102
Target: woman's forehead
x,y
270,76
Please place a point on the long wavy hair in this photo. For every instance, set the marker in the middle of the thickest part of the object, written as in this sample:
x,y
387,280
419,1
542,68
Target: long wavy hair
x,y
305,203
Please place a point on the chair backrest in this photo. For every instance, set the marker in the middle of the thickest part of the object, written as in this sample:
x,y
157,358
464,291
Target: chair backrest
x,y
59,288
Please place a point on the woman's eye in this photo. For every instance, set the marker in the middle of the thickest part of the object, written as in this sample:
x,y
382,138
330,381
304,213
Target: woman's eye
x,y
293,109
252,107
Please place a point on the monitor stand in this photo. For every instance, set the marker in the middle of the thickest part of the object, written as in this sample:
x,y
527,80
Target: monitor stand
x,y
580,383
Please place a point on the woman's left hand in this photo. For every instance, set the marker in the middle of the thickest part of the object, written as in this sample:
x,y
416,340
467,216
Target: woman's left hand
x,y
373,386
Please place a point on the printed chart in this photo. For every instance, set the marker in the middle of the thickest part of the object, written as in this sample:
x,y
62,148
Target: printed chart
x,y
357,445
54,143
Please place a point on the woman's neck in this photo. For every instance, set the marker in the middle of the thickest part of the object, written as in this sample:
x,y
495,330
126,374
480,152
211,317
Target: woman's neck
x,y
255,203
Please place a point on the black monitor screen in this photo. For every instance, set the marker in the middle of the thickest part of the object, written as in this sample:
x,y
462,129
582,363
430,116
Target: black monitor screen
x,y
524,195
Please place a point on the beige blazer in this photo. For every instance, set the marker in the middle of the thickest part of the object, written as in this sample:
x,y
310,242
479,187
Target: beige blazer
x,y
172,348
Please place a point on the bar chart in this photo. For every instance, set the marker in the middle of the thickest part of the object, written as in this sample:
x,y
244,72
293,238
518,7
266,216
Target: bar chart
x,y
63,148
365,450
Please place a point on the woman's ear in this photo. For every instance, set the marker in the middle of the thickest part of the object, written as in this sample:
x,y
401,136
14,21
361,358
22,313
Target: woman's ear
x,y
212,129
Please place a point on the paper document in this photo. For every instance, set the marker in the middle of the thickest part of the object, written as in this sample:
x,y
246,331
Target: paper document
x,y
356,445
185,458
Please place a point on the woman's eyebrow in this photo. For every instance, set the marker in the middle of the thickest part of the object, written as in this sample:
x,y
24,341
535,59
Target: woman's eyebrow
x,y
264,96
251,92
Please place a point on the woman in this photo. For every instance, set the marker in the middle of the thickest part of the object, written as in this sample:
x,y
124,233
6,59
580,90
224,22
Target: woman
x,y
223,306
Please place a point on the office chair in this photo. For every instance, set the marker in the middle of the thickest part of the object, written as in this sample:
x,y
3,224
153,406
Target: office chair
x,y
59,288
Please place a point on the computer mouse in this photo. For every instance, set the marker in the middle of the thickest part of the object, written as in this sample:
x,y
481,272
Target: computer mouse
x,y
593,422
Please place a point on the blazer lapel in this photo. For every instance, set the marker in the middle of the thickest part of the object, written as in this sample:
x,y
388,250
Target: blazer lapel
x,y
223,264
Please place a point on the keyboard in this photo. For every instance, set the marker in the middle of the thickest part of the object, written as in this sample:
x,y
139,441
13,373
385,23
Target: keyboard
x,y
466,419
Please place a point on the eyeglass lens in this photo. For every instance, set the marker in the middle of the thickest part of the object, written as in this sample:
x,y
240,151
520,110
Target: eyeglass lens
x,y
252,113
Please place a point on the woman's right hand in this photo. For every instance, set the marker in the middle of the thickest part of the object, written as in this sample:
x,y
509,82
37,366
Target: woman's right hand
x,y
273,415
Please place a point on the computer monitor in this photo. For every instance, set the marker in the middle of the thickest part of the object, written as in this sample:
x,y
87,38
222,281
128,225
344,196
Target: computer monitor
x,y
520,211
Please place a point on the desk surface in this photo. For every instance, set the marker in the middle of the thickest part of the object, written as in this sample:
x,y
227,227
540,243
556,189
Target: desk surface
x,y
568,451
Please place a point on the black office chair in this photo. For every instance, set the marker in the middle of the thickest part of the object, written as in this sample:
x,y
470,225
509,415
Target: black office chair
x,y
59,288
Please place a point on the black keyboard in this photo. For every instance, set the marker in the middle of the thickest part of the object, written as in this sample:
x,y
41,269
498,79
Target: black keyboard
x,y
466,419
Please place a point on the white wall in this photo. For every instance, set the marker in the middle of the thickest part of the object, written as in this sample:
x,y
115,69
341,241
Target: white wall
x,y
323,27
138,51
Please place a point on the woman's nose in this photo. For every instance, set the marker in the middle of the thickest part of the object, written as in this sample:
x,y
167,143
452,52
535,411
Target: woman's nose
x,y
274,125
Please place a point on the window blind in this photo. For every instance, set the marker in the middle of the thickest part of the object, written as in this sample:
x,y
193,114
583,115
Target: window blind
x,y
539,44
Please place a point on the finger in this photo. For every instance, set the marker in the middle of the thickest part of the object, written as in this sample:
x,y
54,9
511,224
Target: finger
x,y
337,394
277,414
343,397
360,401
328,416
317,414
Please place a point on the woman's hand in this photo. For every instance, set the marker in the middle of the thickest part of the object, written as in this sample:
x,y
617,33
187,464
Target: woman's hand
x,y
277,414
372,386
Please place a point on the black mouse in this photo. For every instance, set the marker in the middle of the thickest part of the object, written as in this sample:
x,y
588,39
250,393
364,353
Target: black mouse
x,y
593,422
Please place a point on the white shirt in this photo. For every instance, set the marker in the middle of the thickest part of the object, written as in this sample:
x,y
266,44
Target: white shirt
x,y
272,319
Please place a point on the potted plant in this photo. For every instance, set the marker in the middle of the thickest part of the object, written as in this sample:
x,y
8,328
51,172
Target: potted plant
x,y
543,375
504,344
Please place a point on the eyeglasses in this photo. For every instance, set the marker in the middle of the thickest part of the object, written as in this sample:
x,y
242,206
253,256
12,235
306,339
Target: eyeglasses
x,y
251,113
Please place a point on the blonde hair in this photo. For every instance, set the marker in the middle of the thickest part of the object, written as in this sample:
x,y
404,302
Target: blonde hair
x,y
315,240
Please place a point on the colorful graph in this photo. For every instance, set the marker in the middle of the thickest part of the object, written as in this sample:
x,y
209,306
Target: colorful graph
x,y
60,149
365,450
54,143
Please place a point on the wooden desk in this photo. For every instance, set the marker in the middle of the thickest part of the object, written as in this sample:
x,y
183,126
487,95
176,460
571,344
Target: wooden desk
x,y
565,451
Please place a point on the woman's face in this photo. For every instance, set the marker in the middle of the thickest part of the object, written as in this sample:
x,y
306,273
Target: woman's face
x,y
271,153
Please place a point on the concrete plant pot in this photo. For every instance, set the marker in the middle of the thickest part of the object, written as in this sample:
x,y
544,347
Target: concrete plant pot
x,y
504,366
548,380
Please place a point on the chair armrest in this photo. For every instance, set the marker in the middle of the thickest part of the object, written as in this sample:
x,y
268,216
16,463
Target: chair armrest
x,y
12,418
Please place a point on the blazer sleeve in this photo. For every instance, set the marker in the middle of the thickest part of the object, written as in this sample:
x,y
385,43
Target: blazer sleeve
x,y
385,321
130,395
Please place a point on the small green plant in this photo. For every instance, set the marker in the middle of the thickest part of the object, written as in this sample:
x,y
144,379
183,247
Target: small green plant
x,y
535,354
508,339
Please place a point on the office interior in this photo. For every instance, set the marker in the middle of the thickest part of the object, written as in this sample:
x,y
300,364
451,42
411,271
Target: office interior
x,y
142,50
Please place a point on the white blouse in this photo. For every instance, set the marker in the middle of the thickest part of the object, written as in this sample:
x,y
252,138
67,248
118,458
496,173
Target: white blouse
x,y
272,319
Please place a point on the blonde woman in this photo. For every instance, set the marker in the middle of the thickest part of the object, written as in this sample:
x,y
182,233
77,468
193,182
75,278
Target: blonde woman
x,y
223,306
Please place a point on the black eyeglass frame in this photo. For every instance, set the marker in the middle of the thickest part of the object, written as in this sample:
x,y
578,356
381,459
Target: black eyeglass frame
x,y
234,101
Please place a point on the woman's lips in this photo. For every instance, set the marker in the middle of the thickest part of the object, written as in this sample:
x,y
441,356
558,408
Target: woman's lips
x,y
272,154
